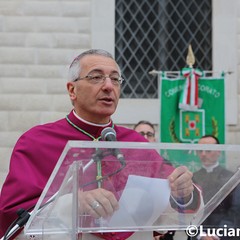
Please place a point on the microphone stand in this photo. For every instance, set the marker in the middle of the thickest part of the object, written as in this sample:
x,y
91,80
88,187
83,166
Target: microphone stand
x,y
98,157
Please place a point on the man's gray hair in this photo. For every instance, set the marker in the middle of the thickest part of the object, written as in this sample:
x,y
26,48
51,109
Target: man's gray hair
x,y
75,67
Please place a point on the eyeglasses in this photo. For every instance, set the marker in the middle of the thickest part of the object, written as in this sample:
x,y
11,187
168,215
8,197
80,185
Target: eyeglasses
x,y
100,78
148,134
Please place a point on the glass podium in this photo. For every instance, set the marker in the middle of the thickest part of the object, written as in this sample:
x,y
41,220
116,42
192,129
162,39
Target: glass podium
x,y
136,173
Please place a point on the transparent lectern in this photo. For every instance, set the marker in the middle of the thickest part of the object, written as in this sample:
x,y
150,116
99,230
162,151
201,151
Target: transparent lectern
x,y
136,173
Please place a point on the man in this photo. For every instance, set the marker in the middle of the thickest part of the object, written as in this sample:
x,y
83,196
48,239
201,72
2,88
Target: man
x,y
211,177
146,129
94,90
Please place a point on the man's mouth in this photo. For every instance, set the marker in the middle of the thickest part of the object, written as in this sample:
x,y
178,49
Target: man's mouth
x,y
106,99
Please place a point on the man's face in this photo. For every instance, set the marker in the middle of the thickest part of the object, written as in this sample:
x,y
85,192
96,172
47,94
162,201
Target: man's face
x,y
95,102
146,131
208,157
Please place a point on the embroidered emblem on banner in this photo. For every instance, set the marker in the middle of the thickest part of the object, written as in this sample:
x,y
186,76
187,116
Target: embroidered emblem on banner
x,y
192,125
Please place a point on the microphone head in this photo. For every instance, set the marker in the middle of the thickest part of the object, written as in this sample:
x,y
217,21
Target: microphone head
x,y
108,134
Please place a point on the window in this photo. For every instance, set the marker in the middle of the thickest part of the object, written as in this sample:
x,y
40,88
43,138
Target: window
x,y
155,34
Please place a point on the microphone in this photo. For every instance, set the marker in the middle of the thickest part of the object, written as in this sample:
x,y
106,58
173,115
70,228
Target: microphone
x,y
23,216
109,134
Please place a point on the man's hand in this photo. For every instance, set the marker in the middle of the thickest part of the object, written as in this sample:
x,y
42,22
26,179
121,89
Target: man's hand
x,y
98,203
181,183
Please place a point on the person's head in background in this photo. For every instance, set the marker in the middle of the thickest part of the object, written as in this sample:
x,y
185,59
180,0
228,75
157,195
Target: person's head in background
x,y
208,157
146,129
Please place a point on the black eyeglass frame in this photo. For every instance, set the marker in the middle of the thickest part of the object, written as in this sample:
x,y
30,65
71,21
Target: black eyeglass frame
x,y
148,134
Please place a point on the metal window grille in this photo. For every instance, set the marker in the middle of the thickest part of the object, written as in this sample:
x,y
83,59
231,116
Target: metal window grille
x,y
155,34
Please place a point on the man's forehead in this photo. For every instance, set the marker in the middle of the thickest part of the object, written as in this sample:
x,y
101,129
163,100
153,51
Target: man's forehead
x,y
97,59
207,140
144,127
98,63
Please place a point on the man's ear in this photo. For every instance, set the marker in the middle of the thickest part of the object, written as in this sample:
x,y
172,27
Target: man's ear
x,y
71,90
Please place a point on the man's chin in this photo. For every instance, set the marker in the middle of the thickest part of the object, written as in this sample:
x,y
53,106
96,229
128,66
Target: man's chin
x,y
105,114
208,164
106,111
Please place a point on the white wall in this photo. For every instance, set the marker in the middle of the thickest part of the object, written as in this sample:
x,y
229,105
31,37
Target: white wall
x,y
225,55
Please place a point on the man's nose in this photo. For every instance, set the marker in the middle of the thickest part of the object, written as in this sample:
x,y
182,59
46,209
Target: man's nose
x,y
203,152
108,82
145,135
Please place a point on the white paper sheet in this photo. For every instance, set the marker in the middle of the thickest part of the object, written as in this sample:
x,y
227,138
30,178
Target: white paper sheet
x,y
142,202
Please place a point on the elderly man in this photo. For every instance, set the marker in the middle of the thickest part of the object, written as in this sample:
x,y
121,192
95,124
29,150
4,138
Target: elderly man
x,y
94,89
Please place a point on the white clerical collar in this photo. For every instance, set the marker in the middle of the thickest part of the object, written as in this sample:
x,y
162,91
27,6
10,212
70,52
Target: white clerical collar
x,y
210,168
90,123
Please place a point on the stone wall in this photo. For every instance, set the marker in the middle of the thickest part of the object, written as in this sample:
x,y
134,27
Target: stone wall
x,y
38,40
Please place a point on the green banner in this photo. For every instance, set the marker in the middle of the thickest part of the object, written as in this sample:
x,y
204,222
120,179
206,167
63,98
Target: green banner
x,y
188,125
